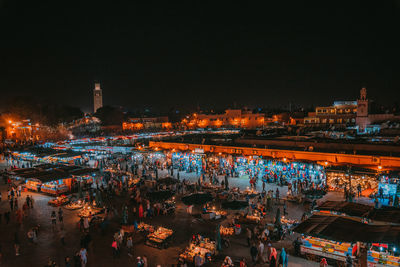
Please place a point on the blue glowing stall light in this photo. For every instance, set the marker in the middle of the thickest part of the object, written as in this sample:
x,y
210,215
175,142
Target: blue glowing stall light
x,y
388,189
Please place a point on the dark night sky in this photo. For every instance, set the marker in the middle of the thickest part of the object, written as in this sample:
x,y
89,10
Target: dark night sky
x,y
207,53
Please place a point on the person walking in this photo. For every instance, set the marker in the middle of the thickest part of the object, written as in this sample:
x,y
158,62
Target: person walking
x,y
349,260
129,245
249,236
114,246
253,252
198,261
31,201
359,190
323,263
140,211
144,258
283,258
83,255
272,257
86,224
67,261
285,209
139,262
260,250
297,246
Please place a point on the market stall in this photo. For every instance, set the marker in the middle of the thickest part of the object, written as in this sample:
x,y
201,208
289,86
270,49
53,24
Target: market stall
x,y
89,211
159,238
389,184
52,187
314,247
338,178
56,187
52,179
199,246
333,237
383,255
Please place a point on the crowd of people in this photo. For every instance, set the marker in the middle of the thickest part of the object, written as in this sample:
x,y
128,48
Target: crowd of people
x,y
121,189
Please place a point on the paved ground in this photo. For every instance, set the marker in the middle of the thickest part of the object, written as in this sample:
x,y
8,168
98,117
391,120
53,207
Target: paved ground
x,y
100,253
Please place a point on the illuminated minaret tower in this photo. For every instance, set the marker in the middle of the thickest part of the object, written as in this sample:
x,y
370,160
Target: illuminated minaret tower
x,y
362,111
97,97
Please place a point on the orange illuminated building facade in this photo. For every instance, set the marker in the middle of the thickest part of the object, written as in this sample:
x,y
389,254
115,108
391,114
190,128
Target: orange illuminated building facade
x,y
342,112
147,123
231,118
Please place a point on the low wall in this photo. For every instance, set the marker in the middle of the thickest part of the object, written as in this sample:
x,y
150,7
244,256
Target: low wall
x,y
324,145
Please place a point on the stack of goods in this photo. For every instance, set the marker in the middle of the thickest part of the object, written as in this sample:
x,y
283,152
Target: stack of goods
x,y
321,247
59,201
143,227
220,213
54,188
159,237
89,211
33,184
381,254
206,248
226,231
250,192
253,218
76,205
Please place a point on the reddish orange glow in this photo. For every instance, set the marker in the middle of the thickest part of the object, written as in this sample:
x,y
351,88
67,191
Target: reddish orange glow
x,y
167,125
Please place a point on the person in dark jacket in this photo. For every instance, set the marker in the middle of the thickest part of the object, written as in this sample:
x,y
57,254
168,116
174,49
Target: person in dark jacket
x,y
253,252
349,261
